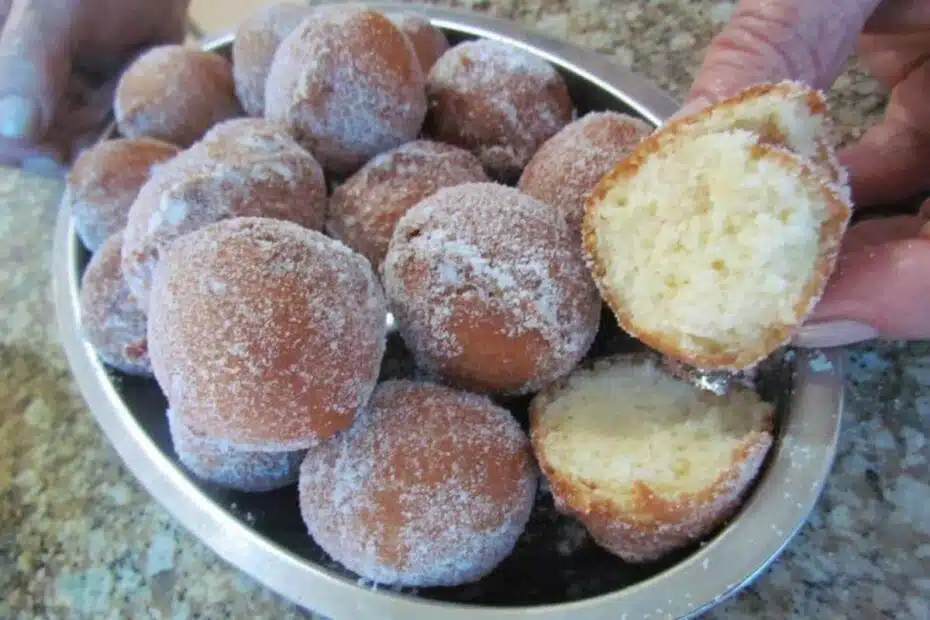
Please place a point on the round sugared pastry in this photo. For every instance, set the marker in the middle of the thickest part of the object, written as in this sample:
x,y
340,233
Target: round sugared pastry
x,y
175,93
112,322
429,42
257,39
104,181
431,487
364,210
226,465
488,289
264,333
569,165
348,85
497,101
242,167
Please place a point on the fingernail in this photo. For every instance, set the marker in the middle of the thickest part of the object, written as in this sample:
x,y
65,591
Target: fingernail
x,y
19,118
42,166
693,106
833,334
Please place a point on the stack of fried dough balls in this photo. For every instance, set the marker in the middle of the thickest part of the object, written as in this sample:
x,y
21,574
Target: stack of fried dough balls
x,y
347,166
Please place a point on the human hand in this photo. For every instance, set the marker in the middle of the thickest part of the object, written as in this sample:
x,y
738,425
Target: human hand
x,y
881,286
59,62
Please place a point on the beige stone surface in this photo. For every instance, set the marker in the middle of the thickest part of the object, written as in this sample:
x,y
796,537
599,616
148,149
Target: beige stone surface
x,y
79,538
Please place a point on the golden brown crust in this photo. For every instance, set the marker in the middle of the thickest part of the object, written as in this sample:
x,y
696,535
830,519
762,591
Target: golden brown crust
x,y
475,90
104,181
776,335
344,98
654,526
257,38
429,42
175,93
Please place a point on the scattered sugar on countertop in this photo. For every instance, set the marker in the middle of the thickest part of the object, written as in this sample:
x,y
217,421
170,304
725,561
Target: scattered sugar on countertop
x,y
411,493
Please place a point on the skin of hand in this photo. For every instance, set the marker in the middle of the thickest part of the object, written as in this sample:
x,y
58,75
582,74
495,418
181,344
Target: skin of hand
x,y
881,286
59,63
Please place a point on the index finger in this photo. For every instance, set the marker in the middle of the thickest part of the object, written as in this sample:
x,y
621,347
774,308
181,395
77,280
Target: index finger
x,y
768,41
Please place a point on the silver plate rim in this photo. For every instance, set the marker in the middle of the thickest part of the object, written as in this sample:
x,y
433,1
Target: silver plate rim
x,y
781,504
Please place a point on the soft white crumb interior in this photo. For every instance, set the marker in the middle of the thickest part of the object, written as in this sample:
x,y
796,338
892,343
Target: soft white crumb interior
x,y
709,243
626,423
790,115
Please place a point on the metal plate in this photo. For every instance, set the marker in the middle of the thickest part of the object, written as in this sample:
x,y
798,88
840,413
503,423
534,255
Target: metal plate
x,y
555,571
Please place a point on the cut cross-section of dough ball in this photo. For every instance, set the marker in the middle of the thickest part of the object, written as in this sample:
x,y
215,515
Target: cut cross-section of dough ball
x,y
713,248
786,114
648,462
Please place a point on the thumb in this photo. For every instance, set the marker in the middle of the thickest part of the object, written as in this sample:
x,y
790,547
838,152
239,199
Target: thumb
x,y
35,61
767,41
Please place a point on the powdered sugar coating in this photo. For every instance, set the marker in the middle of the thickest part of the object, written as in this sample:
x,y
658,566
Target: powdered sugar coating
x,y
488,290
497,101
348,85
266,334
257,39
364,210
242,167
111,320
104,181
569,165
430,487
175,93
227,465
428,41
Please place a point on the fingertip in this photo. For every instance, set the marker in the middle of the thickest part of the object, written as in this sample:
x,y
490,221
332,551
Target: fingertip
x,y
20,118
42,165
692,106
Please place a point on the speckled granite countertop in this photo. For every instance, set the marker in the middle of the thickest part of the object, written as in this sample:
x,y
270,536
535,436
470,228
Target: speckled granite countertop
x,y
79,538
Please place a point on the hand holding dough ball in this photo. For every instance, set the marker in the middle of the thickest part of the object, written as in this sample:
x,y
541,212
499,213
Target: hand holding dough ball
x,y
112,322
497,101
225,464
714,239
429,42
348,84
431,487
364,210
175,93
569,165
242,167
488,290
265,334
105,180
648,462
257,39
